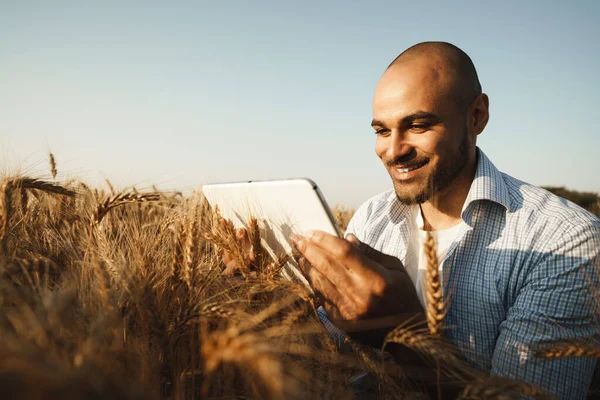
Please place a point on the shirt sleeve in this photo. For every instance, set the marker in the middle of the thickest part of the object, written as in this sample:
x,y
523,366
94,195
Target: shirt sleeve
x,y
557,303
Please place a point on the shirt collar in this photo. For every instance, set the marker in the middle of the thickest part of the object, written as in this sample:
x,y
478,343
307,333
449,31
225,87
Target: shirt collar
x,y
488,184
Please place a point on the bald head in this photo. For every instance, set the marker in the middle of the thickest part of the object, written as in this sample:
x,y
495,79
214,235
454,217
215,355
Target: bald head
x,y
449,63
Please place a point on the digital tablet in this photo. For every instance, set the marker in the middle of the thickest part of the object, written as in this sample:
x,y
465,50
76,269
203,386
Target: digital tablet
x,y
281,207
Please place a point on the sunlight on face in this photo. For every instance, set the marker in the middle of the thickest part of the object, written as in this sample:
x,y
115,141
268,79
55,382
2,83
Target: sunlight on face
x,y
422,135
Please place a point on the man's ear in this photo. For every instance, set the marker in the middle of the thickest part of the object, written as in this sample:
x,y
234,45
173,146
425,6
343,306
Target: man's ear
x,y
480,114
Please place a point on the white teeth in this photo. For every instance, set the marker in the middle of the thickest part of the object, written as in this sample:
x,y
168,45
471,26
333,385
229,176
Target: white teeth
x,y
406,169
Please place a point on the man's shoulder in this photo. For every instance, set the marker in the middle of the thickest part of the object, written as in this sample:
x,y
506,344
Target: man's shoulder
x,y
544,207
380,201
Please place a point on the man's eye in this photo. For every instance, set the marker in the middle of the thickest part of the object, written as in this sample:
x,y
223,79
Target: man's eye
x,y
382,132
419,128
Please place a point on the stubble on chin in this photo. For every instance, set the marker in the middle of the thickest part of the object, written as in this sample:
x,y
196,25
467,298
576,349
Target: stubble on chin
x,y
416,192
411,196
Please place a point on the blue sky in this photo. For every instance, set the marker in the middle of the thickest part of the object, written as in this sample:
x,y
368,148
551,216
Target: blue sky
x,y
189,92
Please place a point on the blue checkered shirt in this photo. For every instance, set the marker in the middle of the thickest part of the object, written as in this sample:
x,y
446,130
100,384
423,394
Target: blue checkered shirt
x,y
521,273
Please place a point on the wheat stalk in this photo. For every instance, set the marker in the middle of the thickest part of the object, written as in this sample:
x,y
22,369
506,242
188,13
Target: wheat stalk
x,y
435,302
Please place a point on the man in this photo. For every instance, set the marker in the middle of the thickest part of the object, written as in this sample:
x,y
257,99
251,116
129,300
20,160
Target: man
x,y
518,264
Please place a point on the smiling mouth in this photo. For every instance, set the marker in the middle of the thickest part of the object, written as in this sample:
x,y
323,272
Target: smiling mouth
x,y
412,167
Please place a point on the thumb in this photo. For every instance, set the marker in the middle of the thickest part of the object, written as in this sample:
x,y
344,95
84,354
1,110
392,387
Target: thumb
x,y
353,239
370,252
364,248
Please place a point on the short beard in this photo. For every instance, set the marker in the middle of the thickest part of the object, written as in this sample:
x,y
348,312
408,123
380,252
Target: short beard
x,y
442,176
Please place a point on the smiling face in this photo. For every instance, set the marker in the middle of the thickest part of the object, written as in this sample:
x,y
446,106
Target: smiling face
x,y
424,137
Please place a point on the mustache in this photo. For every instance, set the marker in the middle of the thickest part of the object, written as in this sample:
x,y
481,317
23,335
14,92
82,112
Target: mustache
x,y
407,163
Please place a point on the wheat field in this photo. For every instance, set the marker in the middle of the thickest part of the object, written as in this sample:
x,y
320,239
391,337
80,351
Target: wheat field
x,y
120,294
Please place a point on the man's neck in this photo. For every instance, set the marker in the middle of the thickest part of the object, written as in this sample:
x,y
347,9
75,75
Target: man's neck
x,y
445,208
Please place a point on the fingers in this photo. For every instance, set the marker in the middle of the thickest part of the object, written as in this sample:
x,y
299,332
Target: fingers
x,y
324,262
333,301
245,244
231,265
349,252
333,314
341,284
336,246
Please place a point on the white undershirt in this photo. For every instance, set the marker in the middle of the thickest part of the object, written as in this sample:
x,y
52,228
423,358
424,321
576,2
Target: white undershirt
x,y
416,261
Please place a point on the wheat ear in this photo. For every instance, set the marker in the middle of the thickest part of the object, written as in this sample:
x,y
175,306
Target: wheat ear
x,y
499,388
570,349
191,247
23,184
178,238
53,166
23,202
120,199
257,249
435,301
225,239
434,348
44,186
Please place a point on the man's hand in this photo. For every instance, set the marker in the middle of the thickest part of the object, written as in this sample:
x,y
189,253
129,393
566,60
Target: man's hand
x,y
232,263
357,282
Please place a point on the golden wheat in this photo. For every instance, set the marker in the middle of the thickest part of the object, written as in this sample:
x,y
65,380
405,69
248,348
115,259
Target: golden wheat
x,y
435,301
421,341
23,184
247,351
136,305
190,251
501,388
256,249
570,349
53,170
120,199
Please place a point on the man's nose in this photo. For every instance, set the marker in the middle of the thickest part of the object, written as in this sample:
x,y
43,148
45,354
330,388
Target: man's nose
x,y
398,147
